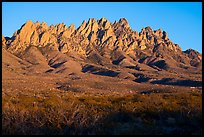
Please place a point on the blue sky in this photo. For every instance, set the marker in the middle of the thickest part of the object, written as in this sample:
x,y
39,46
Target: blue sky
x,y
181,20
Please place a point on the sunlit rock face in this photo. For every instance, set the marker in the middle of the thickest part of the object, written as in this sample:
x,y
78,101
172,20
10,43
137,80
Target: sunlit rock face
x,y
104,39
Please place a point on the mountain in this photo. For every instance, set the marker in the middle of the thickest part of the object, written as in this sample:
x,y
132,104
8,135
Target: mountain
x,y
102,48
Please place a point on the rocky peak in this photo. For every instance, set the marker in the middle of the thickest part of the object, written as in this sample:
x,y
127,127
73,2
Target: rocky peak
x,y
165,35
122,29
149,32
72,27
124,23
94,25
143,31
192,53
83,23
26,26
91,21
60,28
91,27
143,34
189,51
3,38
81,27
37,23
28,23
148,29
44,25
67,33
52,26
102,20
195,57
158,33
3,42
25,32
123,20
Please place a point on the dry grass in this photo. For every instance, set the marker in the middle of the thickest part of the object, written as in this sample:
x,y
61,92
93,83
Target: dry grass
x,y
58,112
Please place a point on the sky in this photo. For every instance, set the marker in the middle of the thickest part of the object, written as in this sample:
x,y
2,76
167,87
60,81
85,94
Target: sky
x,y
181,20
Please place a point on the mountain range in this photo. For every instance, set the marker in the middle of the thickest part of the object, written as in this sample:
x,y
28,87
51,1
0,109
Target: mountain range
x,y
100,47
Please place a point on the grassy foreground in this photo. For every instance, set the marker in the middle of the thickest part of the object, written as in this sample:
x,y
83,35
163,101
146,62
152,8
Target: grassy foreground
x,y
58,112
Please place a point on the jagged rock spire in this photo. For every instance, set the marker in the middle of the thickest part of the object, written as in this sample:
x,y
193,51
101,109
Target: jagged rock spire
x,y
98,32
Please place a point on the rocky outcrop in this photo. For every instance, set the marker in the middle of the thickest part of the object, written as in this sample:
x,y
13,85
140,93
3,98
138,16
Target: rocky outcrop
x,y
102,39
67,33
195,57
3,42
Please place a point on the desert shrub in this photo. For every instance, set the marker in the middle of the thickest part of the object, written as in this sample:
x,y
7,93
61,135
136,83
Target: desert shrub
x,y
88,113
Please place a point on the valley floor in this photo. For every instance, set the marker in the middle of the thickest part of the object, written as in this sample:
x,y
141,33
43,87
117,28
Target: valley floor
x,y
92,104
